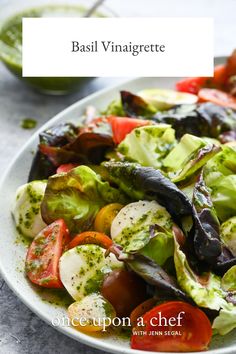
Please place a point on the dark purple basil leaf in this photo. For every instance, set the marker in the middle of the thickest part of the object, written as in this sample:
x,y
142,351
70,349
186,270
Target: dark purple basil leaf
x,y
59,135
183,118
228,136
63,144
224,262
154,275
146,182
160,282
41,167
135,106
206,238
91,145
207,242
60,155
231,297
206,119
219,119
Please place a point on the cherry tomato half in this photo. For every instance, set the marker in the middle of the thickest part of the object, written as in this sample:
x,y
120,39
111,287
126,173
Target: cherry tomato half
x,y
174,326
191,84
66,167
121,126
195,84
218,97
220,77
97,238
124,290
43,255
105,217
231,65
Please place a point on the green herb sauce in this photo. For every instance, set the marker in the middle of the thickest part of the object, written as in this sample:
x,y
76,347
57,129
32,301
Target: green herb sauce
x,y
28,123
11,46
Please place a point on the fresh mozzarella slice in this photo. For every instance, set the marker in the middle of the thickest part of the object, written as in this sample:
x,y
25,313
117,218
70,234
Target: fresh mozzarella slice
x,y
83,268
26,208
131,226
165,99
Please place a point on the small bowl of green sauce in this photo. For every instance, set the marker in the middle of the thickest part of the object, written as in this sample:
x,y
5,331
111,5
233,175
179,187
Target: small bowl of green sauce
x,y
11,37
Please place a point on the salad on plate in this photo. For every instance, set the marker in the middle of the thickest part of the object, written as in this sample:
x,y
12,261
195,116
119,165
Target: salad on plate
x,y
133,212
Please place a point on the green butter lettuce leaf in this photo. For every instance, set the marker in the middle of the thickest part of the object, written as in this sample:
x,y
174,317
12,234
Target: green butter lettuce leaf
x,y
183,152
187,157
188,189
226,321
196,163
205,292
224,197
160,247
114,109
76,197
222,164
228,282
228,234
220,176
148,145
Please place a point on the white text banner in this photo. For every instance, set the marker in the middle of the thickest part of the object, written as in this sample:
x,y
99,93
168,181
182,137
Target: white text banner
x,y
89,47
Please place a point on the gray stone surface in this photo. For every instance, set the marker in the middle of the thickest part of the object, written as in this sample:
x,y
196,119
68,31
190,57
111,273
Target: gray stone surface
x,y
22,332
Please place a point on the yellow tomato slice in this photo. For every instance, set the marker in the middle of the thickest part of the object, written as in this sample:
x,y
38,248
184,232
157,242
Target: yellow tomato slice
x,y
92,314
105,217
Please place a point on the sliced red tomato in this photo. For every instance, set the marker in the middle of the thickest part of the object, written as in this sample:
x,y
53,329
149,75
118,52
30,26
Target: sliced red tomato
x,y
43,255
219,75
66,167
174,326
218,97
93,237
121,126
191,84
194,84
231,65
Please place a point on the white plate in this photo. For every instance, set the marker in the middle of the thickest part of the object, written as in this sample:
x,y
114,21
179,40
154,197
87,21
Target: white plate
x,y
12,254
